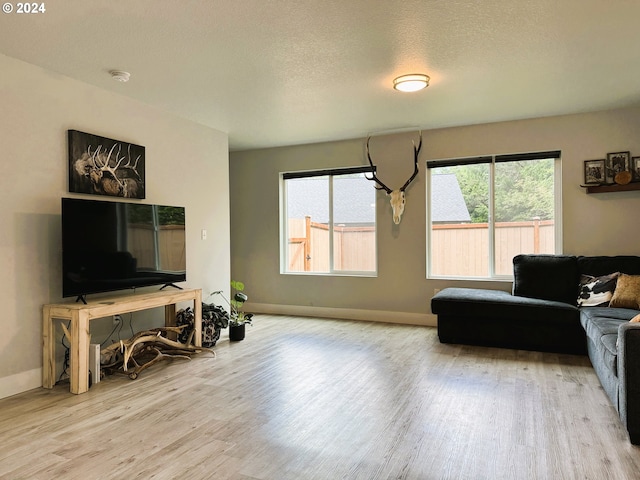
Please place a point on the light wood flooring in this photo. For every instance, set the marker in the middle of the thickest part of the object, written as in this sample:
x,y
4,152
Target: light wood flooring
x,y
305,398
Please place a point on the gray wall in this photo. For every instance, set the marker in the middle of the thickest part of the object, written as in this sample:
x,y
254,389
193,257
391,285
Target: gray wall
x,y
183,161
592,224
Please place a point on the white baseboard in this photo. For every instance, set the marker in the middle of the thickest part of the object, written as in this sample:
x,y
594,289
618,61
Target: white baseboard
x,y
407,318
20,382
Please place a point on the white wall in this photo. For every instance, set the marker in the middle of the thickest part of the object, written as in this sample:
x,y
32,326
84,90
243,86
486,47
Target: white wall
x,y
603,224
183,161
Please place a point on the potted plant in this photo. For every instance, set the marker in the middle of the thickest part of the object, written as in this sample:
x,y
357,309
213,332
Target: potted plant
x,y
237,317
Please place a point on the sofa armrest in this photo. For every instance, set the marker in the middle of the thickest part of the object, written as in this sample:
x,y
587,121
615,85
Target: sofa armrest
x,y
629,377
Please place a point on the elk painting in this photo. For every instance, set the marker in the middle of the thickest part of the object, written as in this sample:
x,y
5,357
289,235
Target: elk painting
x,y
397,197
101,166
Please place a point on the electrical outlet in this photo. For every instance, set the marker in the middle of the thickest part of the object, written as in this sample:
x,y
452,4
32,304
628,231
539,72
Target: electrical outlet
x,y
117,319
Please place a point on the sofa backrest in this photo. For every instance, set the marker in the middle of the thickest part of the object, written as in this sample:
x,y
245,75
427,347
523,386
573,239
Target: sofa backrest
x,y
598,266
547,277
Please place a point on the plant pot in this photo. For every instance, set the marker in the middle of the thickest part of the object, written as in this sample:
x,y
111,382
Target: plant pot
x,y
236,333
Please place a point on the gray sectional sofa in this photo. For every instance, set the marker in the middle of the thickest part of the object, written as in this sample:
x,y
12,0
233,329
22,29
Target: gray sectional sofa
x,y
560,304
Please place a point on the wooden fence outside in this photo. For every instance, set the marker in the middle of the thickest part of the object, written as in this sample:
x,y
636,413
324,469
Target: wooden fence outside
x,y
354,247
309,247
170,245
461,249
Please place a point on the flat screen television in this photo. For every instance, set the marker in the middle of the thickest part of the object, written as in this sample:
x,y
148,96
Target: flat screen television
x,y
109,246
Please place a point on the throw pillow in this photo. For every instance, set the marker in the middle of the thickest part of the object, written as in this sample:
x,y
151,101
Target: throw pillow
x,y
635,319
627,293
597,291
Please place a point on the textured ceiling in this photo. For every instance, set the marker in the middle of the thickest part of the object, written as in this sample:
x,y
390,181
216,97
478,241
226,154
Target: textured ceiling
x,y
282,72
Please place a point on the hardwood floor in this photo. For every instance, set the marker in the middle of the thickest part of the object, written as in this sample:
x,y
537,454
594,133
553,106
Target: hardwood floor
x,y
304,398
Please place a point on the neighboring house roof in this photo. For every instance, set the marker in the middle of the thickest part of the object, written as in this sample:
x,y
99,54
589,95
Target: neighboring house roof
x,y
355,200
450,207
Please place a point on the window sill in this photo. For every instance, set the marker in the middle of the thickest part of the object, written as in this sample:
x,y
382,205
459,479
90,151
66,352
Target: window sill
x,y
333,274
474,279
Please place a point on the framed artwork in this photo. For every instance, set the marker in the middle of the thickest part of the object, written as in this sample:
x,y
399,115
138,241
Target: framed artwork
x,y
102,166
617,162
594,172
635,168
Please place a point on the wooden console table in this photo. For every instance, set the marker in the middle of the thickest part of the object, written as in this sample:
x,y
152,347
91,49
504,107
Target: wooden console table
x,y
80,315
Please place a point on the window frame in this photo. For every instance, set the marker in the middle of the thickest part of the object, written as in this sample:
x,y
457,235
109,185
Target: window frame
x,y
556,155
283,227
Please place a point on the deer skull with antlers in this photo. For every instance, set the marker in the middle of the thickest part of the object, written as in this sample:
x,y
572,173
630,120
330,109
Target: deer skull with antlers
x,y
397,196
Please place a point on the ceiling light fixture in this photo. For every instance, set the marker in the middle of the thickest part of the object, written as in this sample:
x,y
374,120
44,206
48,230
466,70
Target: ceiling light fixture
x,y
120,76
411,83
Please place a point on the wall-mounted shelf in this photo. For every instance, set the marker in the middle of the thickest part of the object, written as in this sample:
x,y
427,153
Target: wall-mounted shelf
x,y
612,188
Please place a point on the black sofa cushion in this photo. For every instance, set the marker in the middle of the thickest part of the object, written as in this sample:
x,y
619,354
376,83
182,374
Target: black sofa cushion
x,y
604,265
496,318
546,277
488,303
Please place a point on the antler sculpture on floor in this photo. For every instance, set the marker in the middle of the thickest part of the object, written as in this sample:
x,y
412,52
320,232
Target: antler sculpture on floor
x,y
145,349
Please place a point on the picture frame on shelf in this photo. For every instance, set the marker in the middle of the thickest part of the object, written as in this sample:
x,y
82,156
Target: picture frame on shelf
x,y
635,168
617,162
594,172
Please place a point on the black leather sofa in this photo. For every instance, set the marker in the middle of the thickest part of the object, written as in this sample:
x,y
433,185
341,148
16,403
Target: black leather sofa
x,y
543,314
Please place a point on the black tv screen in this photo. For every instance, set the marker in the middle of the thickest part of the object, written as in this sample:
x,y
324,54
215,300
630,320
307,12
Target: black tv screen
x,y
108,246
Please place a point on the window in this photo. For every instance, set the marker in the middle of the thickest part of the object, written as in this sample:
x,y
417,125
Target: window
x,y
486,210
329,222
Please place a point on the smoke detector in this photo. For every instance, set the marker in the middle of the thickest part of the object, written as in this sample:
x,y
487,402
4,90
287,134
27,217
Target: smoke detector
x,y
120,76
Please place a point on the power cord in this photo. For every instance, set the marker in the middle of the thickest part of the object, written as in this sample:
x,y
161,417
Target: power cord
x,y
67,353
67,348
118,328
